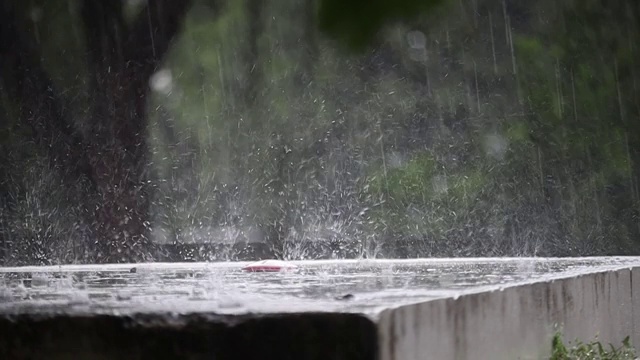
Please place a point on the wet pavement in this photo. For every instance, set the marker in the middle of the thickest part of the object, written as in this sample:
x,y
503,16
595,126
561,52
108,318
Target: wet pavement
x,y
365,286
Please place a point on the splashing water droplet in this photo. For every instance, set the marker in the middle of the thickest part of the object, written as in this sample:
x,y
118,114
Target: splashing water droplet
x,y
416,39
496,146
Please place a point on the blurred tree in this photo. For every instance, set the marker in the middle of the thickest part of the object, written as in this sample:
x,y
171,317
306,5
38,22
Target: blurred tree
x,y
447,128
110,152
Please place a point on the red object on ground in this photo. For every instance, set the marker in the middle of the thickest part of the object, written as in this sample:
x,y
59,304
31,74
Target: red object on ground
x,y
269,266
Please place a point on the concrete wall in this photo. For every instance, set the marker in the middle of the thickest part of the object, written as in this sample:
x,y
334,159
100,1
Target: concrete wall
x,y
517,322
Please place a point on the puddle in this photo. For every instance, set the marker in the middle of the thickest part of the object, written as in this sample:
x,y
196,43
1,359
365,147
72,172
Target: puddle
x,y
347,285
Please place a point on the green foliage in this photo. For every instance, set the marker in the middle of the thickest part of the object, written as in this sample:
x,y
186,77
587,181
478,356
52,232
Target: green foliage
x,y
512,129
409,183
357,22
593,350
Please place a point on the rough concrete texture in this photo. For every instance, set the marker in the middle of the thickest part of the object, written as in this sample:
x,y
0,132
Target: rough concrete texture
x,y
516,322
289,336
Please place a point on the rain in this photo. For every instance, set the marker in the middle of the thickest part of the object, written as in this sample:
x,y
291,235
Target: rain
x,y
158,131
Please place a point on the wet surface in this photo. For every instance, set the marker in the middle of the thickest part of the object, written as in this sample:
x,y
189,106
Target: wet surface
x,y
224,288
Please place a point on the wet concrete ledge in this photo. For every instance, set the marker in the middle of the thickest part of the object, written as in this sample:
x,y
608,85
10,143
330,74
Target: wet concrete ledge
x,y
516,322
505,322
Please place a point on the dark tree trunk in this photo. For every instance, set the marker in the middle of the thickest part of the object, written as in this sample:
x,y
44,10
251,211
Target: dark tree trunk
x,y
117,147
123,60
35,99
114,155
255,9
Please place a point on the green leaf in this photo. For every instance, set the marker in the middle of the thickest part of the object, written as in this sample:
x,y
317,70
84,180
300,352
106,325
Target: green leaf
x,y
626,342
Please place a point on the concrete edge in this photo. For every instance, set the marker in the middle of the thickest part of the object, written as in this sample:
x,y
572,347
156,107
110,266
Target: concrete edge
x,y
515,322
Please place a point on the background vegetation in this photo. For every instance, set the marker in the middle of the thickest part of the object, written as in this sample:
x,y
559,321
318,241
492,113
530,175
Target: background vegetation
x,y
314,129
593,350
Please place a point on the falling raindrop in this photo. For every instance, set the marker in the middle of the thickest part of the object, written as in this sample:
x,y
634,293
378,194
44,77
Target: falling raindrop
x,y
162,81
496,146
416,39
36,14
440,184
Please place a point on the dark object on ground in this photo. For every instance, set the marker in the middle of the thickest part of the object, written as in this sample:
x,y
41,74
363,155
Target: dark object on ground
x,y
345,297
204,336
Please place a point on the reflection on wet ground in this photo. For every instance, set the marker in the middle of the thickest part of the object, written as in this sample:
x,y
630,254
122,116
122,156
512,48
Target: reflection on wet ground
x,y
353,286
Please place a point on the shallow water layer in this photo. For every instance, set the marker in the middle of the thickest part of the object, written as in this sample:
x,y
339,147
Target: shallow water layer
x,y
342,285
